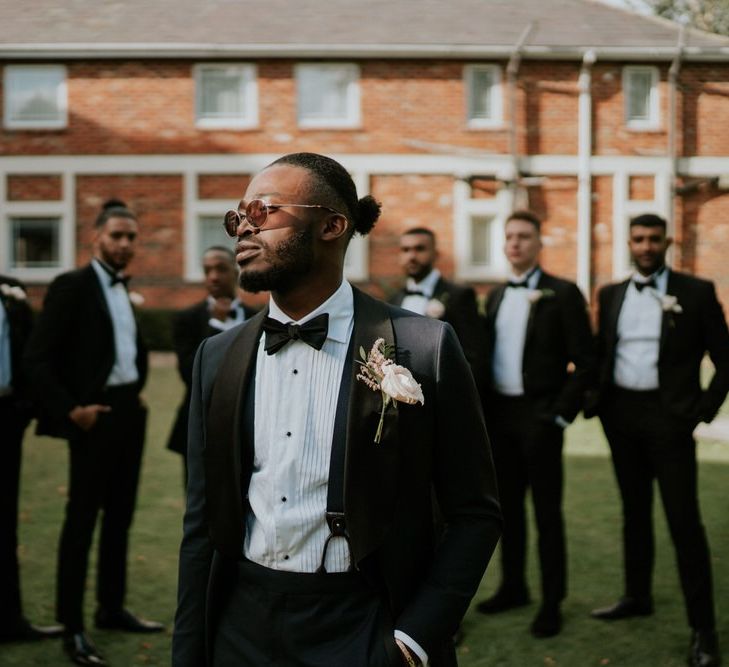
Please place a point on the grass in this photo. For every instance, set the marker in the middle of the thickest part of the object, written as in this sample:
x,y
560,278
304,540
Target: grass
x,y
593,527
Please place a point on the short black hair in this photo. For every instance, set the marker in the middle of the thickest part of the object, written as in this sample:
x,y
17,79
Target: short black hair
x,y
113,208
420,230
648,220
221,248
334,187
526,216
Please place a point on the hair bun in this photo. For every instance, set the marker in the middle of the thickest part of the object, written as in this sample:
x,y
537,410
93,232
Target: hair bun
x,y
113,203
368,211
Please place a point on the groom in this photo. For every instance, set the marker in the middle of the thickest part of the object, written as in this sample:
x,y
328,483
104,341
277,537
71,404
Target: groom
x,y
309,535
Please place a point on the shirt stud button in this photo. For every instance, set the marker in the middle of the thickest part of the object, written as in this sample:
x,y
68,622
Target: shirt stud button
x,y
283,499
288,434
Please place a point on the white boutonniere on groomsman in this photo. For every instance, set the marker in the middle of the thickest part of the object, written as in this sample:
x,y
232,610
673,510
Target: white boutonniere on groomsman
x,y
136,299
13,291
435,309
534,295
395,383
670,304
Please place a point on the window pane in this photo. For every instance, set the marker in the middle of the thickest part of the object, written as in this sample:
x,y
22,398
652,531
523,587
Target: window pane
x,y
222,93
481,98
210,233
639,96
35,242
324,93
34,94
481,240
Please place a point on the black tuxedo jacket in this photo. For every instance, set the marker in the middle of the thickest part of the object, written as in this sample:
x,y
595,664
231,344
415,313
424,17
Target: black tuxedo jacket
x,y
685,338
20,322
559,357
461,312
71,351
190,328
440,447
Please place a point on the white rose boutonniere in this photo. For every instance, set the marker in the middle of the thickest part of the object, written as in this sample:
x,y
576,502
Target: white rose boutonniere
x,y
13,291
435,309
670,304
136,299
395,383
534,295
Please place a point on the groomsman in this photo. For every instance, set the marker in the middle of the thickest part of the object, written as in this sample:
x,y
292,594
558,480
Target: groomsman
x,y
87,364
653,332
541,352
219,311
427,292
309,536
15,411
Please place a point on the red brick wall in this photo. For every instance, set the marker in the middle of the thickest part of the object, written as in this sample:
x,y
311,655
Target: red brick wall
x,y
32,187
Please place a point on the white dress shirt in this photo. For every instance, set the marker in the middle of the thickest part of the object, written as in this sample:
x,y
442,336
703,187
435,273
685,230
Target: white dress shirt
x,y
124,325
237,315
415,302
296,395
639,334
511,326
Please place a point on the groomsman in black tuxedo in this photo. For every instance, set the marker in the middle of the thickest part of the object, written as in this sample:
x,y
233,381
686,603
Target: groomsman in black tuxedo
x,y
309,535
16,321
219,311
426,292
653,332
86,364
541,352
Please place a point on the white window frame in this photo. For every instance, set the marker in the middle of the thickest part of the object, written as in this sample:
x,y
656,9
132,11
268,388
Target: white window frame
x,y
248,90
654,111
465,210
496,119
353,117
61,99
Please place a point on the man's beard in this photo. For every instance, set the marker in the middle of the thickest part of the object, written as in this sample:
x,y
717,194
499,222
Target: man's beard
x,y
288,261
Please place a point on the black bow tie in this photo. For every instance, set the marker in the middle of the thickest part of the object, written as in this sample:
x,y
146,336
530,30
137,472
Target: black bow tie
x,y
124,280
414,292
511,283
314,333
648,283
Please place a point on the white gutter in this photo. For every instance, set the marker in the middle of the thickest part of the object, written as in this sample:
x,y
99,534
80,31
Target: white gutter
x,y
117,50
584,176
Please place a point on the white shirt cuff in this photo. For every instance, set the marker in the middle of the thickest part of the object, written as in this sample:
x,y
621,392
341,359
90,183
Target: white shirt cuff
x,y
561,421
412,644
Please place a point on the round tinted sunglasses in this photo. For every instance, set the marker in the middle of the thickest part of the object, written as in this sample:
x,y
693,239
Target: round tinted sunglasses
x,y
256,214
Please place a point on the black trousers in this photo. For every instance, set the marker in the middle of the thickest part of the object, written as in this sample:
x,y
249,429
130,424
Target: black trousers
x,y
649,443
527,451
104,475
288,619
14,421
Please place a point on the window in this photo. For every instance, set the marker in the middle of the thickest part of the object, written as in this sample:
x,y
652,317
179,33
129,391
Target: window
x,y
226,96
483,95
35,96
328,95
481,244
210,233
640,86
35,243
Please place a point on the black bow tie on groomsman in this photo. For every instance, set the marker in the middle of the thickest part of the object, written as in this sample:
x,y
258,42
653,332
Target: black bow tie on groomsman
x,y
313,333
648,283
414,292
115,277
513,283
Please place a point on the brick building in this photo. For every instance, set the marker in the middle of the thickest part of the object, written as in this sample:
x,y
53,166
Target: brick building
x,y
449,112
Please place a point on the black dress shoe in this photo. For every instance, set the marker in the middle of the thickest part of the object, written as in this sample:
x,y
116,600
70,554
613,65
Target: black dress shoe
x,y
502,601
126,621
704,649
24,631
547,622
624,608
81,650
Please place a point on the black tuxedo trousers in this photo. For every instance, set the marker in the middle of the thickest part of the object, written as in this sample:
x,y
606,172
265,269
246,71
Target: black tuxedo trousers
x,y
527,452
649,442
104,475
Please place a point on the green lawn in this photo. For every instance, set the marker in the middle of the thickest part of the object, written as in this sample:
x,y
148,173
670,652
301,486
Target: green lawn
x,y
593,525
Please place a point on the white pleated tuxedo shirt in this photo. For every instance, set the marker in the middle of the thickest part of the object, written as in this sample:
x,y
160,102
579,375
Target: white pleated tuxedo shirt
x,y
417,303
639,334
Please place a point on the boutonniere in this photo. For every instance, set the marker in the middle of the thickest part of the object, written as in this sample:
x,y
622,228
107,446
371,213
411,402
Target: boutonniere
x,y
13,291
395,383
535,295
435,309
136,299
670,304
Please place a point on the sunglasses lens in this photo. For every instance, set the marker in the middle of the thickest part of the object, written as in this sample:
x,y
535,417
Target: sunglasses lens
x,y
231,222
256,212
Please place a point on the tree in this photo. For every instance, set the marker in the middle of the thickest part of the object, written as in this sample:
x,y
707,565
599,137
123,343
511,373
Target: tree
x,y
709,15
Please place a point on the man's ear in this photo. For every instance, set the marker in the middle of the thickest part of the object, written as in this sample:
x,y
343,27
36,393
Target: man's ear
x,y
335,226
